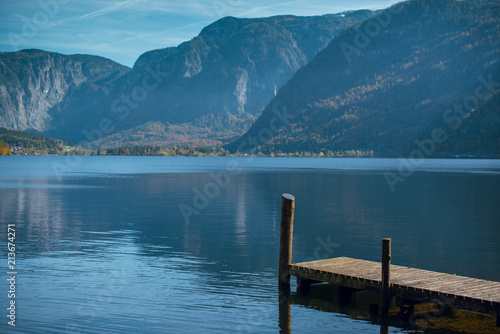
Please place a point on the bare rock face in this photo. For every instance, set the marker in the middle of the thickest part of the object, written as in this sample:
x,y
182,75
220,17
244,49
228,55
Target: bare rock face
x,y
34,81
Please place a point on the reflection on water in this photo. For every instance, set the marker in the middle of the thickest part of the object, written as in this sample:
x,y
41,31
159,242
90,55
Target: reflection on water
x,y
364,305
99,251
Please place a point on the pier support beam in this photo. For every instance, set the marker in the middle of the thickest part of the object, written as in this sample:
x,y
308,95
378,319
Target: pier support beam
x,y
286,237
304,285
345,295
386,277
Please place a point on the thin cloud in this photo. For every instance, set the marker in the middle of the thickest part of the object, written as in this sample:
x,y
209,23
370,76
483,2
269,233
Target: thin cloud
x,y
113,8
262,9
173,7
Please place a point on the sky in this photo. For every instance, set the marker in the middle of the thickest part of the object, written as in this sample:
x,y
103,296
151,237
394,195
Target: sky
x,y
122,30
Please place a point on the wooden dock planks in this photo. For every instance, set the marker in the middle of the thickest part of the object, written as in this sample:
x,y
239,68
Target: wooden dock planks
x,y
409,283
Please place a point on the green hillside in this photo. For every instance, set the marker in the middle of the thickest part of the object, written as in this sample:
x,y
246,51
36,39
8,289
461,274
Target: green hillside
x,y
28,142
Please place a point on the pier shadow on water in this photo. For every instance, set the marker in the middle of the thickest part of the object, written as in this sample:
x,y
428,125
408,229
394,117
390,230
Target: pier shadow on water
x,y
365,305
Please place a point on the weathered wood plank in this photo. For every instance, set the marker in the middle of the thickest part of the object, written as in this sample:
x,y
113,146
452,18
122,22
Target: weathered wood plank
x,y
456,283
418,278
410,283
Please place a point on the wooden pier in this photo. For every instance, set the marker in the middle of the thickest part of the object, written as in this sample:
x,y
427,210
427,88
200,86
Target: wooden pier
x,y
408,285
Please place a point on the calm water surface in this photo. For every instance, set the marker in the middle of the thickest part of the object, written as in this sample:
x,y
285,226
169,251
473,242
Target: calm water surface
x,y
189,245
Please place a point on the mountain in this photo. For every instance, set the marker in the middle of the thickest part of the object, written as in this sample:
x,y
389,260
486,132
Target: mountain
x,y
390,83
236,65
205,90
32,82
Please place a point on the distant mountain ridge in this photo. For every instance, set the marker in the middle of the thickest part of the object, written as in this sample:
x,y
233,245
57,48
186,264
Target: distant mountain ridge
x,y
359,81
212,86
386,84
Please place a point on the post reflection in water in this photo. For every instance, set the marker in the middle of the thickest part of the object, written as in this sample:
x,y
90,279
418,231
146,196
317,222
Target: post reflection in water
x,y
285,310
332,299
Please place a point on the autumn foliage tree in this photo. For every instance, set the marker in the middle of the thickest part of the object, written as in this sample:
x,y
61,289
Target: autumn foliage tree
x,y
4,149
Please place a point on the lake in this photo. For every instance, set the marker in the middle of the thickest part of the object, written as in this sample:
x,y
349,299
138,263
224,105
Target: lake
x,y
190,245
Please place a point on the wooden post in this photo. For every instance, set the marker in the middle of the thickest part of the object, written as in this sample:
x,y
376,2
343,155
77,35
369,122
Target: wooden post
x,y
386,276
286,236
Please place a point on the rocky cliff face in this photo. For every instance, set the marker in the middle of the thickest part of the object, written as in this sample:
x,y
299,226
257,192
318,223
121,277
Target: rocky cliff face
x,y
33,81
